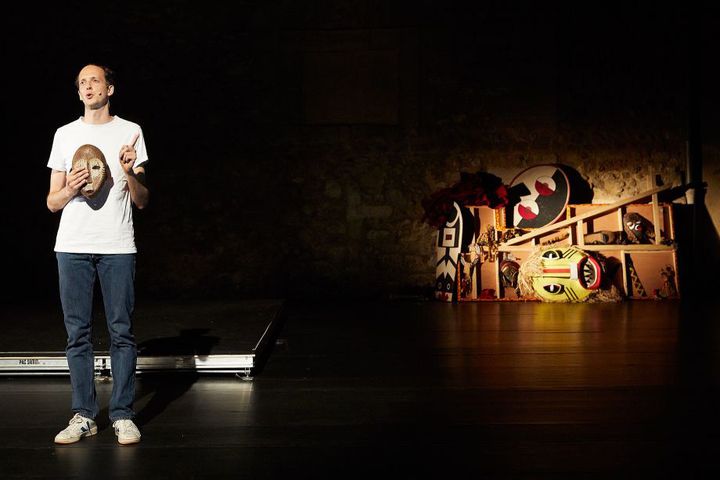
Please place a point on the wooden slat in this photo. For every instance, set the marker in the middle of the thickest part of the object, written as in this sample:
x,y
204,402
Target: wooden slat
x,y
580,240
623,262
657,218
589,214
630,248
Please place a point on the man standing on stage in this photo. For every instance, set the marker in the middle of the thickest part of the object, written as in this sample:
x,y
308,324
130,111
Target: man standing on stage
x,y
98,173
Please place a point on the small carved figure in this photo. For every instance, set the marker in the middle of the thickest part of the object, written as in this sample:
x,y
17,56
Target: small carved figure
x,y
669,288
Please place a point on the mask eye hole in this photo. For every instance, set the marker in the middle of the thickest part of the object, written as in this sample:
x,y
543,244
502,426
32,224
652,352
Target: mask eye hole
x,y
552,254
554,288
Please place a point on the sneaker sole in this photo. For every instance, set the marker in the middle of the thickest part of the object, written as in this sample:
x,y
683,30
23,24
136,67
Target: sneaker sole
x,y
128,441
64,441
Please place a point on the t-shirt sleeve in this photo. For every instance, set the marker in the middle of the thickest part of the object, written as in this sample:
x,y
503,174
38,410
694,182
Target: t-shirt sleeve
x,y
140,149
56,160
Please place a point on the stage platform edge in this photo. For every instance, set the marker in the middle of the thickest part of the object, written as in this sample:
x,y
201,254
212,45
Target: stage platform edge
x,y
244,360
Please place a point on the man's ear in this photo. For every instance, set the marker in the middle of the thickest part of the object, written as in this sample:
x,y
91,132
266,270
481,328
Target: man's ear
x,y
111,90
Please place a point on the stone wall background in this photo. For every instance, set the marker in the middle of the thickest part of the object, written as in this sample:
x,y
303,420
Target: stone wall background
x,y
292,142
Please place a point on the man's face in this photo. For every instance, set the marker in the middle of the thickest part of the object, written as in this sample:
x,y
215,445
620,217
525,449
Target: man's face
x,y
93,89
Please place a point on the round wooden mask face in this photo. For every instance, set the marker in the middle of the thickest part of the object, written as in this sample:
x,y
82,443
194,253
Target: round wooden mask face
x,y
90,157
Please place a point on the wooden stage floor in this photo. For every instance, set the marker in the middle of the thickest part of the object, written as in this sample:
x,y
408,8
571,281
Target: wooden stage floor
x,y
413,389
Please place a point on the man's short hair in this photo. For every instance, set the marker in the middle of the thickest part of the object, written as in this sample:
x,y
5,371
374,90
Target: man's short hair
x,y
109,74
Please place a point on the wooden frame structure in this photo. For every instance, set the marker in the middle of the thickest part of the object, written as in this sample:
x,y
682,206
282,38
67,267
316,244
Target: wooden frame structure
x,y
637,260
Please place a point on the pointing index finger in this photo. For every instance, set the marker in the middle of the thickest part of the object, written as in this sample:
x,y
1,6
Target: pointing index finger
x,y
134,139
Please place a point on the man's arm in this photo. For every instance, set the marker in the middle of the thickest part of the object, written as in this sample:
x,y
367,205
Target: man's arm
x,y
64,187
139,192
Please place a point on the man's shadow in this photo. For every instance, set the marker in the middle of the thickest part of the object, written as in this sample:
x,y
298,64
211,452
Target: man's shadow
x,y
166,387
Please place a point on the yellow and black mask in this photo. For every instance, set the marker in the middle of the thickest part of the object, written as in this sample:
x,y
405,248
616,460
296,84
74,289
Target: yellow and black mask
x,y
565,274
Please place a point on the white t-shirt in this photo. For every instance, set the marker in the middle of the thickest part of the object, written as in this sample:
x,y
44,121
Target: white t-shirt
x,y
104,223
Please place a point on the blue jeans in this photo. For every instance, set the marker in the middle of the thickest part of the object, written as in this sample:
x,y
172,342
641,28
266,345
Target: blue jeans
x,y
77,273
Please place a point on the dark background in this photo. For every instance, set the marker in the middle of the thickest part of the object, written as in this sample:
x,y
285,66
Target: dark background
x,y
291,142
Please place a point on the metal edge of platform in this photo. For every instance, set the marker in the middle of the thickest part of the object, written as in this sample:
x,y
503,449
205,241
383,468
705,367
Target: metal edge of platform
x,y
48,364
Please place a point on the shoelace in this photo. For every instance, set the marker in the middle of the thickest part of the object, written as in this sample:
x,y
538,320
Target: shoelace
x,y
76,419
123,425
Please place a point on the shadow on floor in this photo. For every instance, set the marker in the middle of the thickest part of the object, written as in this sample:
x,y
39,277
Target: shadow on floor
x,y
165,387
163,390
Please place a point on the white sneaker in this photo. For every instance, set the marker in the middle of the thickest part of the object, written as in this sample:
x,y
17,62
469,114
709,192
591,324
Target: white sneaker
x,y
78,427
126,432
